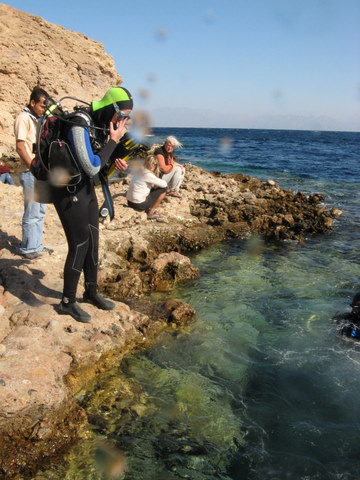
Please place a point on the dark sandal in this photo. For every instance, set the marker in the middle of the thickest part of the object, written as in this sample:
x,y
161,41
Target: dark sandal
x,y
154,216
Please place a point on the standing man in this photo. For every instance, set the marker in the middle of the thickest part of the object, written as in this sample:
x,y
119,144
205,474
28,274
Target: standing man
x,y
25,135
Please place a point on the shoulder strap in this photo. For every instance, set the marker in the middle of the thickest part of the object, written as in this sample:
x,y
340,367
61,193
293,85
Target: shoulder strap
x,y
29,112
80,113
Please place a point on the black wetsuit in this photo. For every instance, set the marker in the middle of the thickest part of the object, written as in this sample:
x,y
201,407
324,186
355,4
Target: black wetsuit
x,y
349,324
78,211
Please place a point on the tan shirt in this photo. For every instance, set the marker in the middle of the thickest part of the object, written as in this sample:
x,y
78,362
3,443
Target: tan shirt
x,y
25,130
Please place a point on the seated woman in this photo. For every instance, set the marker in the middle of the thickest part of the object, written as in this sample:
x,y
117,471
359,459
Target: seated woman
x,y
172,171
146,190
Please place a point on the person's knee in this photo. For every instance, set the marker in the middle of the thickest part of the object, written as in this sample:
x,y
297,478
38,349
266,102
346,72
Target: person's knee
x,y
80,251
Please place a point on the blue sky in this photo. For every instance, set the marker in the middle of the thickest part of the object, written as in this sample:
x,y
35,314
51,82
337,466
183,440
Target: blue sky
x,y
237,63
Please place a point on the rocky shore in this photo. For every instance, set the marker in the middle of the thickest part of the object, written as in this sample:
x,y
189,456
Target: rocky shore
x,y
46,359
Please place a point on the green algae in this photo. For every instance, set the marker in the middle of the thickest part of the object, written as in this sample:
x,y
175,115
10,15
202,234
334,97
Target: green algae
x,y
179,409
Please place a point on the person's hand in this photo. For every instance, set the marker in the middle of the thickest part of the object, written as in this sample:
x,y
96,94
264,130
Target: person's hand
x,y
179,165
117,131
120,164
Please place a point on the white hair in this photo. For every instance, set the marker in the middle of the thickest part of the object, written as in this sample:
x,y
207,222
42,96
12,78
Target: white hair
x,y
174,141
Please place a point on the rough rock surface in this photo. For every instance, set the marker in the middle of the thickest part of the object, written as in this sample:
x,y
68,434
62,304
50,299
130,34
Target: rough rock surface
x,y
214,207
46,358
36,52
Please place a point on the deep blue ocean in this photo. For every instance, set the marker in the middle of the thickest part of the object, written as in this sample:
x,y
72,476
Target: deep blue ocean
x,y
260,386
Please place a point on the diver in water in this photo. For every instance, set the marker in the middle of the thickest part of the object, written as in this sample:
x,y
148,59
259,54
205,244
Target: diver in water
x,y
77,206
351,320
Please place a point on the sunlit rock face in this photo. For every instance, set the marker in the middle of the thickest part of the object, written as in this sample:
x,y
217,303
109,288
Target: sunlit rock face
x,y
36,52
41,354
39,349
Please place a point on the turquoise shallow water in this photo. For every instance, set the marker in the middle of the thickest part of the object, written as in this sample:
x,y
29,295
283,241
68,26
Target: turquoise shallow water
x,y
276,390
260,385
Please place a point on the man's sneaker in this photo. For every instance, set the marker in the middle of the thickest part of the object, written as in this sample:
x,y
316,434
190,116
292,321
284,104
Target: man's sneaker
x,y
98,301
31,255
74,311
47,250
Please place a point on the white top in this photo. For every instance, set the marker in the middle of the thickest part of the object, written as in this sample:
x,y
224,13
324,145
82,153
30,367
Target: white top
x,y
140,185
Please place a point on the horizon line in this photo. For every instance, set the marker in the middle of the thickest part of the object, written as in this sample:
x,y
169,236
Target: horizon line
x,y
269,128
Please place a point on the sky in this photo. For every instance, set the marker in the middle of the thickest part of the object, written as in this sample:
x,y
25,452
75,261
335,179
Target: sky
x,y
277,64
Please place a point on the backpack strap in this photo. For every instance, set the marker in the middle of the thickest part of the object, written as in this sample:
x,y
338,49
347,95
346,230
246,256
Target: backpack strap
x,y
80,137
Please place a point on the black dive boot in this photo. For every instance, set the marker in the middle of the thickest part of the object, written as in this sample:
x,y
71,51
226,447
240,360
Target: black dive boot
x,y
91,296
67,307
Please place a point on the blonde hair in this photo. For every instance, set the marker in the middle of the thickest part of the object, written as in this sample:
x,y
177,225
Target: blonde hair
x,y
150,162
173,141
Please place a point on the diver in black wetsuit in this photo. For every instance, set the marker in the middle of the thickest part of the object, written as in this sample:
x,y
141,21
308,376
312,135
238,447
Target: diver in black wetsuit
x,y
77,206
351,320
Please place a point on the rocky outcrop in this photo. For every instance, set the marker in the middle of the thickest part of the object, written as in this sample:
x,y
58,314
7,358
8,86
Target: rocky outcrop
x,y
46,358
36,52
214,207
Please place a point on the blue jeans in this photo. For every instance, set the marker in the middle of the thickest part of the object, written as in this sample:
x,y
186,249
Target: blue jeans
x,y
6,178
32,221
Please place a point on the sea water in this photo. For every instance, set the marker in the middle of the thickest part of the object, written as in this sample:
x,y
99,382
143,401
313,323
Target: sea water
x,y
260,385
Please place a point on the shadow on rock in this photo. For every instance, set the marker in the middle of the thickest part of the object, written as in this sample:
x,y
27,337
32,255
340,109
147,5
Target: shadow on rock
x,y
10,242
22,281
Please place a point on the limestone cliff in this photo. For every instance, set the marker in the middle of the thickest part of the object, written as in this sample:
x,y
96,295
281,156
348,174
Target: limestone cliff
x,y
36,52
